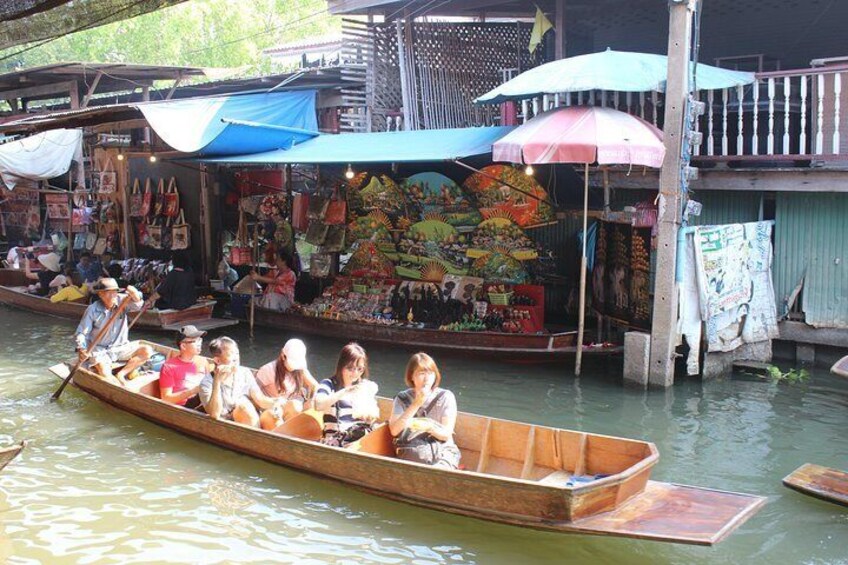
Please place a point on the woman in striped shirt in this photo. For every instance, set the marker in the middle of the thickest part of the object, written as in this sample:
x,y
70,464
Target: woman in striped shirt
x,y
348,398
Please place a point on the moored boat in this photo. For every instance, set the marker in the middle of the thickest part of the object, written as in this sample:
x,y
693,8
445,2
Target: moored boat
x,y
822,482
13,293
7,454
515,473
509,346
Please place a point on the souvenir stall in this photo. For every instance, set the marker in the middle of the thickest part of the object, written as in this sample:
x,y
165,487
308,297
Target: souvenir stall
x,y
424,253
414,250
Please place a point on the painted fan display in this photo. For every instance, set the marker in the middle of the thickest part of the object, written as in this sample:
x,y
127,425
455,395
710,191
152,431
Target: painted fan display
x,y
375,227
434,192
499,267
369,192
368,261
527,206
504,235
432,241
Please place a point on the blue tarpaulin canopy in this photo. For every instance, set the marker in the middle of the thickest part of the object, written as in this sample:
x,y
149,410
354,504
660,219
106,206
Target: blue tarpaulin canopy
x,y
230,125
382,147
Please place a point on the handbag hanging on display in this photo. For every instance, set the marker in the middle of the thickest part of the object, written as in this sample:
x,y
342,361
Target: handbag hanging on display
x,y
166,233
317,207
142,236
99,245
336,212
79,241
154,234
159,203
335,240
180,233
136,200
172,199
146,199
317,232
108,177
90,240
300,207
240,253
320,265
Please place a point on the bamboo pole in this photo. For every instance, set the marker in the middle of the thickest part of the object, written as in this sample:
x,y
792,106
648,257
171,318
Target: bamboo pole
x,y
581,314
70,250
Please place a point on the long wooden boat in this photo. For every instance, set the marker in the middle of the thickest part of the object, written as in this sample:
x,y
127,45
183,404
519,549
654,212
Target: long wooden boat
x,y
517,347
7,454
821,482
514,473
13,293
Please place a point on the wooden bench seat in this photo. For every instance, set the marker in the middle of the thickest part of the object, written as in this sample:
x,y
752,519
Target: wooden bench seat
x,y
376,442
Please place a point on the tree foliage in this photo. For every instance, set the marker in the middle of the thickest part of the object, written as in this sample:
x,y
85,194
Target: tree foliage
x,y
204,33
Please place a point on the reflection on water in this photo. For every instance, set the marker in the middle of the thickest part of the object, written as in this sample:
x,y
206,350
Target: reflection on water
x,y
99,486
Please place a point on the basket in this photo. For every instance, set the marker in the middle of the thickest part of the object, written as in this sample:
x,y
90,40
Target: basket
x,y
500,298
361,288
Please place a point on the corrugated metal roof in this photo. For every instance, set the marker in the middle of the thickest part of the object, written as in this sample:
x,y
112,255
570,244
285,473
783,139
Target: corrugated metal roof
x,y
811,242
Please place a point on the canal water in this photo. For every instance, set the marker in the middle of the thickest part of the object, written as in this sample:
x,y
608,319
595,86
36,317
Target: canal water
x,y
100,486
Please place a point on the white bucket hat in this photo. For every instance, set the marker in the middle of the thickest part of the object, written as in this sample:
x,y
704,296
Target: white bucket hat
x,y
50,261
295,352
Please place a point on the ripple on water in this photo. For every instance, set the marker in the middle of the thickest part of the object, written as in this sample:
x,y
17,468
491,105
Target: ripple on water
x,y
100,486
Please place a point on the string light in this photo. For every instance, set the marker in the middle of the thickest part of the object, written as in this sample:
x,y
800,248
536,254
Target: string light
x,y
349,174
120,156
152,158
528,170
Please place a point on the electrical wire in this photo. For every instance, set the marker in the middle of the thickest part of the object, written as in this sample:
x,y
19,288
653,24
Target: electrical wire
x,y
82,27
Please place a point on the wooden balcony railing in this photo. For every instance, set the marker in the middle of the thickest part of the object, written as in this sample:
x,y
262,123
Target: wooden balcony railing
x,y
784,116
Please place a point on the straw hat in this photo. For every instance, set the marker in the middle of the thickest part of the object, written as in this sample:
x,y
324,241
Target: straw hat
x,y
106,283
50,261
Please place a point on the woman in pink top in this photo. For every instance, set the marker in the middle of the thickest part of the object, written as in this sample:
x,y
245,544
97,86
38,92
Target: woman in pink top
x,y
288,381
279,294
179,377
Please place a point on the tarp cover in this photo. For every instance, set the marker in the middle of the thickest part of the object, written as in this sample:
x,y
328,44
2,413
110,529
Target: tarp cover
x,y
200,125
622,71
40,157
384,147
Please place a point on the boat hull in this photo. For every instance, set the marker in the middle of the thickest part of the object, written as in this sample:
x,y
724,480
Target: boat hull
x,y
7,454
149,320
515,347
623,504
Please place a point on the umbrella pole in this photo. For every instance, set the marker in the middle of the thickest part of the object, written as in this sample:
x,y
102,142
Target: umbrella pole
x,y
581,314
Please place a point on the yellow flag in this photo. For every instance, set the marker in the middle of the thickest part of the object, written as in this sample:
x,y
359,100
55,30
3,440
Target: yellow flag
x,y
540,28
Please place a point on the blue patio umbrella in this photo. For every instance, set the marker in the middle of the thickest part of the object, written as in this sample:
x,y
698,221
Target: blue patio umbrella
x,y
622,71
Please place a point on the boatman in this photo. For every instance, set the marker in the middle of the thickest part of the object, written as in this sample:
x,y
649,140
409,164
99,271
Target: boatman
x,y
115,345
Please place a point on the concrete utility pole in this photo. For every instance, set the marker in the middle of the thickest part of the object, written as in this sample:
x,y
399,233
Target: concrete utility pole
x,y
663,327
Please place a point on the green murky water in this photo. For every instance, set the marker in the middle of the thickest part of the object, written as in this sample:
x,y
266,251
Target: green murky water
x,y
100,486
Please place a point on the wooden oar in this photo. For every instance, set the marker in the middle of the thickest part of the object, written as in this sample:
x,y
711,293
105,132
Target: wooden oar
x,y
145,307
115,315
255,256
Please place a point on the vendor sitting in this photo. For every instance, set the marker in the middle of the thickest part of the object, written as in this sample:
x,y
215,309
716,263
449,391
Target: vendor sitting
x,y
279,294
50,263
89,269
178,290
67,287
114,345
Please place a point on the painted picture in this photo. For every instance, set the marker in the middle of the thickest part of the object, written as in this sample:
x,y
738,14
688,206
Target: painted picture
x,y
434,192
504,235
504,191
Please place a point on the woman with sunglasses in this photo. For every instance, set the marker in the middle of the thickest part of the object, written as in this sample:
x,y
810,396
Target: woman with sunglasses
x,y
286,380
348,398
